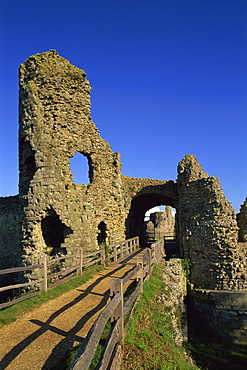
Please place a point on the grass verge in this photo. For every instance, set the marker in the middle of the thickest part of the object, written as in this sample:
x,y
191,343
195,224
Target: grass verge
x,y
149,343
11,314
221,356
70,355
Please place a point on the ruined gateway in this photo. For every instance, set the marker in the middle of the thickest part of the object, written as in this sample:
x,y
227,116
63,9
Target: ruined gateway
x,y
53,214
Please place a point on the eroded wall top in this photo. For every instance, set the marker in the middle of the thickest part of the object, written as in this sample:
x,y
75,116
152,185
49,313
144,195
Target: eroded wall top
x,y
55,123
208,230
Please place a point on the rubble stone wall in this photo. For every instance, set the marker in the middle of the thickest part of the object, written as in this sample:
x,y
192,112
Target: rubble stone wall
x,y
55,214
242,222
9,232
208,231
55,123
222,315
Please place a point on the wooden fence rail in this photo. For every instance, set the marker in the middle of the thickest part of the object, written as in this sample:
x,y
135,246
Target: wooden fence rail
x,y
122,249
47,266
116,310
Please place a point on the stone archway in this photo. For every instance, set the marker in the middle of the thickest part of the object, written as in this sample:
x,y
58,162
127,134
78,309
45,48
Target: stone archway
x,y
139,205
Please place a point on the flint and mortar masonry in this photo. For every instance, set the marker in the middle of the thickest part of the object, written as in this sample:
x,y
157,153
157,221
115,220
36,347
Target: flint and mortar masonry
x,y
208,230
242,222
54,124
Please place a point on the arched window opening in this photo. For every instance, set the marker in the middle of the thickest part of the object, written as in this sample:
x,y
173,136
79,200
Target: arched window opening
x,y
101,233
54,233
80,169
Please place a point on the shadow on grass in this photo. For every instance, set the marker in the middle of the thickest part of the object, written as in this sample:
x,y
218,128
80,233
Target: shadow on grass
x,y
68,336
218,356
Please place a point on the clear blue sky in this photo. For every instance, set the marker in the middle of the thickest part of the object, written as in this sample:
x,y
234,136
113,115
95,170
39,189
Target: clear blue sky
x,y
169,78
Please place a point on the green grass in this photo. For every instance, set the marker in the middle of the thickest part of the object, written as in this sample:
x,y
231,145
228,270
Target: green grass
x,y
149,342
186,267
221,356
100,346
11,314
70,355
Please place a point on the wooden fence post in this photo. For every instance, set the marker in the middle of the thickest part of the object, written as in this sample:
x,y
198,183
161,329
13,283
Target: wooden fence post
x,y
79,270
121,249
116,286
156,249
158,252
115,253
161,246
103,255
43,284
149,259
139,275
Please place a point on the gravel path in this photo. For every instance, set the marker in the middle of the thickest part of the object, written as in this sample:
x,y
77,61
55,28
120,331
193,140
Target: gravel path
x,y
38,339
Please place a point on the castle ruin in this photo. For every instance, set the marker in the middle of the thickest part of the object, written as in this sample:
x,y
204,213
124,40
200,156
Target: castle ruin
x,y
52,214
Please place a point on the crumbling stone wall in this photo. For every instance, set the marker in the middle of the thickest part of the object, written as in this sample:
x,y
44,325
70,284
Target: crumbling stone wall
x,y
55,123
208,231
242,222
134,187
52,214
9,232
56,214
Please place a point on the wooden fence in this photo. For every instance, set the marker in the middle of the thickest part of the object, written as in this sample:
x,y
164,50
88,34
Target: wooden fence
x,y
121,249
48,267
116,310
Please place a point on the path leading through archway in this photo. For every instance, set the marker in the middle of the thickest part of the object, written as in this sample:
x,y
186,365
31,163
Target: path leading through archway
x,y
42,336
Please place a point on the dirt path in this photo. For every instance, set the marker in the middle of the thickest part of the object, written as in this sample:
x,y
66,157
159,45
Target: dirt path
x,y
38,339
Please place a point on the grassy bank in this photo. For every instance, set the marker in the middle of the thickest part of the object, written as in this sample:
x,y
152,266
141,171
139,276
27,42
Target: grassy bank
x,y
149,343
221,356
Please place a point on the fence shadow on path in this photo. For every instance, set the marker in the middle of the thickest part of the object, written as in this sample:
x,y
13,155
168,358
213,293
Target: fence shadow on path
x,y
69,336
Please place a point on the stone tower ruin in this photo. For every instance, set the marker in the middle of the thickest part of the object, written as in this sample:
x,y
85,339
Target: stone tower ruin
x,y
52,214
55,123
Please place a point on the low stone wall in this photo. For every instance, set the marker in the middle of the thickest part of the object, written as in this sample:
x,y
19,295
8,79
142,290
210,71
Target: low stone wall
x,y
174,277
221,315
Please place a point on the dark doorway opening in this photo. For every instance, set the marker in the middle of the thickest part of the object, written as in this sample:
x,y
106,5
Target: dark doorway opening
x,y
137,225
139,206
54,233
101,233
